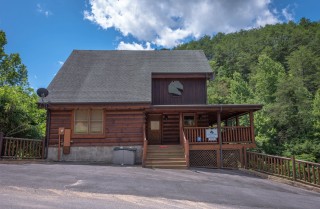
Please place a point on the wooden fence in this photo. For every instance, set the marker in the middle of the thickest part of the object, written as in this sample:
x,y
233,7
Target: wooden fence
x,y
296,170
20,148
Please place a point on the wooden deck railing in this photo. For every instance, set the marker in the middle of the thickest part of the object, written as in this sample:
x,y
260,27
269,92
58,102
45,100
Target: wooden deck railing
x,y
233,134
145,147
192,133
186,149
296,170
236,134
20,148
307,172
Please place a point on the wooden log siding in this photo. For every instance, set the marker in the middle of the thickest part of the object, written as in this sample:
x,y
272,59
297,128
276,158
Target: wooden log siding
x,y
234,134
202,120
121,128
58,119
170,129
124,128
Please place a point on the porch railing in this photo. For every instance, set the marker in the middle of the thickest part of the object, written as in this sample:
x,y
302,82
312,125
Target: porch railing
x,y
233,134
296,170
21,148
236,134
196,134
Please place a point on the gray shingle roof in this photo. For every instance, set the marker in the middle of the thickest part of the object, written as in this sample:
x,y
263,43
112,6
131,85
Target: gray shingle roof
x,y
119,76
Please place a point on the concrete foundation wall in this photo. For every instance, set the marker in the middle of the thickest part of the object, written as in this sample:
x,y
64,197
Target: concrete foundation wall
x,y
91,154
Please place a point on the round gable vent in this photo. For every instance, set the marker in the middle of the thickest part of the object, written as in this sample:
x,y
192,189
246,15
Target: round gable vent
x,y
175,88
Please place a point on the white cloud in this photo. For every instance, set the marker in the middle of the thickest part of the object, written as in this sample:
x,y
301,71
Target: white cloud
x,y
43,11
133,46
168,22
60,62
287,14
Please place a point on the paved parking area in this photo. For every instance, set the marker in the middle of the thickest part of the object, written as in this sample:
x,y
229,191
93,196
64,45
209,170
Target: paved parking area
x,y
50,185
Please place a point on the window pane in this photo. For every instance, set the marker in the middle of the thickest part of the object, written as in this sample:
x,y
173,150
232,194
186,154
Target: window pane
x,y
155,125
96,127
81,127
81,115
189,121
96,115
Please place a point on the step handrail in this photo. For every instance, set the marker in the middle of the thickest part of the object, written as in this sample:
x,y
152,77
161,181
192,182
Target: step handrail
x,y
186,148
145,146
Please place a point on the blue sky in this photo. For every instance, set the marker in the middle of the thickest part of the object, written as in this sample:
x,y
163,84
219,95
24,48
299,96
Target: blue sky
x,y
44,32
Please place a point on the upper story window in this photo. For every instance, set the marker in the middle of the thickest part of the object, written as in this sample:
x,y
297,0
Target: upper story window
x,y
175,88
88,122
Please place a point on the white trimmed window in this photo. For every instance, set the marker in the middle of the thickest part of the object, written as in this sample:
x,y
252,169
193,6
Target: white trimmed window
x,y
88,121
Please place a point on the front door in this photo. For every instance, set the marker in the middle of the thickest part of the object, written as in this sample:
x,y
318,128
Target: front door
x,y
154,129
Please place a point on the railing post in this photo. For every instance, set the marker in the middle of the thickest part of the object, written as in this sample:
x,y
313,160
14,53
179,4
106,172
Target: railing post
x,y
220,138
1,143
237,120
145,146
252,127
43,147
293,168
218,159
245,158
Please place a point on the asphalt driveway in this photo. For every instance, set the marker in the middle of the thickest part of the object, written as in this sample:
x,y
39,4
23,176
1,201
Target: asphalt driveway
x,y
99,186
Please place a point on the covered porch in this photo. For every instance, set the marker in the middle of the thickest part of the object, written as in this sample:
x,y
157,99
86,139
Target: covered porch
x,y
213,136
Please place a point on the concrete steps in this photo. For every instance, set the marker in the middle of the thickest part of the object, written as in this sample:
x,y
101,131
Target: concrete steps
x,y
166,156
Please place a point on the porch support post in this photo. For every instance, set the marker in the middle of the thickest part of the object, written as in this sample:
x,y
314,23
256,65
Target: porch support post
x,y
219,136
180,128
237,120
251,127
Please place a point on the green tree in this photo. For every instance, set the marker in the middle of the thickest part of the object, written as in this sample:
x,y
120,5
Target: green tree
x,y
265,78
12,71
305,64
291,111
19,114
316,114
218,90
240,92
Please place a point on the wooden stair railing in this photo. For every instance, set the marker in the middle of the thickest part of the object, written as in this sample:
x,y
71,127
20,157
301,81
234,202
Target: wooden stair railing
x,y
145,147
186,148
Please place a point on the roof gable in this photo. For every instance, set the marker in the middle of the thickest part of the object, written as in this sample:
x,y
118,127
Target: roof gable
x,y
91,76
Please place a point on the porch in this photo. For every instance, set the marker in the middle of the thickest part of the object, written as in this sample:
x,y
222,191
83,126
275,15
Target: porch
x,y
212,136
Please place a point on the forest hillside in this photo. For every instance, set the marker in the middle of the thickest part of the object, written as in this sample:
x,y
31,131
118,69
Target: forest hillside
x,y
277,66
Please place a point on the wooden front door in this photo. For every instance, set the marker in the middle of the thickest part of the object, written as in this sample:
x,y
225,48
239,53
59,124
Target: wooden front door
x,y
154,129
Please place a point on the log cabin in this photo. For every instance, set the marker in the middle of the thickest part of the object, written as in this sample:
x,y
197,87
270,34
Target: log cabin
x,y
152,101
